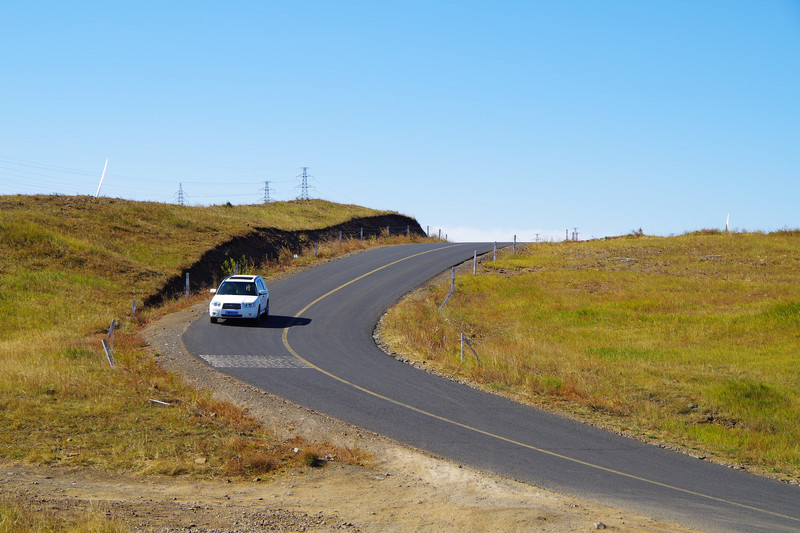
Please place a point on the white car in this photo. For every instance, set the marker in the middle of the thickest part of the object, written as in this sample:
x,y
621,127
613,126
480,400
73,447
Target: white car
x,y
240,297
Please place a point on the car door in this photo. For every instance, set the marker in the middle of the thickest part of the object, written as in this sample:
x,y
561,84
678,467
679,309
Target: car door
x,y
262,299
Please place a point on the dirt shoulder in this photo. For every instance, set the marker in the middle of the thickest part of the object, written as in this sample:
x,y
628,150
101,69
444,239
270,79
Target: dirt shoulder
x,y
402,491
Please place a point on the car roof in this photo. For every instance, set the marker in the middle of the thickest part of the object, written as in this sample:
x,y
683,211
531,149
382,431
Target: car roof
x,y
241,278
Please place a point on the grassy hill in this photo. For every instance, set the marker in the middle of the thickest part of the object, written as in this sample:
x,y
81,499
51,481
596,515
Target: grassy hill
x,y
691,340
68,266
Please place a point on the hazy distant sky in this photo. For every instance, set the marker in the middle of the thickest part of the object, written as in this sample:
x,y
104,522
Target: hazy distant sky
x,y
485,119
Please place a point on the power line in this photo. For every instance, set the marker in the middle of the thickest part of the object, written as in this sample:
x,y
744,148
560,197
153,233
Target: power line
x,y
24,176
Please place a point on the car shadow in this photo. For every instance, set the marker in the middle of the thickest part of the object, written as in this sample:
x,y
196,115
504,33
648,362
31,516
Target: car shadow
x,y
282,322
271,322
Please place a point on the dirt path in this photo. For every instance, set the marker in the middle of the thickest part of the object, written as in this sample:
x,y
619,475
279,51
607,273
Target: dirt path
x,y
403,491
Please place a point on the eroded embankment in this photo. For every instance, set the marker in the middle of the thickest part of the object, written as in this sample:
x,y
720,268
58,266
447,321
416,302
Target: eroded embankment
x,y
266,244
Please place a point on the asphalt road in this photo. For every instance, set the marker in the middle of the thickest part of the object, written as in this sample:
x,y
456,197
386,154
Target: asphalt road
x,y
317,350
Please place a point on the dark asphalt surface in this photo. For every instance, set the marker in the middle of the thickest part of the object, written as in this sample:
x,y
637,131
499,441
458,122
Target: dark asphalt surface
x,y
323,356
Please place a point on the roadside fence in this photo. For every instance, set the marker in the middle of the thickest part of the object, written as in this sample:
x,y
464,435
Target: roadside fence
x,y
464,340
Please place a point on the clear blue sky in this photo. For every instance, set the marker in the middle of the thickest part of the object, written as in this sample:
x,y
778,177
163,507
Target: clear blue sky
x,y
485,119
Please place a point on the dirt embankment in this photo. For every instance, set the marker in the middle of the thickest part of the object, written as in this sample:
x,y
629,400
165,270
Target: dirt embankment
x,y
267,244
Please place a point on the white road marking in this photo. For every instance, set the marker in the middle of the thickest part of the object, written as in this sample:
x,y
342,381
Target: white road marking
x,y
253,361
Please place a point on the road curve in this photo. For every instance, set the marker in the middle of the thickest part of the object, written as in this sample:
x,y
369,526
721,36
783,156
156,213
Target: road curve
x,y
317,350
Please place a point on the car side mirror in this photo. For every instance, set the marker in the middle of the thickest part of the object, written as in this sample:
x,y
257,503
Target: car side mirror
x,y
263,293
213,291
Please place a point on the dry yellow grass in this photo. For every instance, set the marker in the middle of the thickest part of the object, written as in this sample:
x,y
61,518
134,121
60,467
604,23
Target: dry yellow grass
x,y
17,518
68,266
691,339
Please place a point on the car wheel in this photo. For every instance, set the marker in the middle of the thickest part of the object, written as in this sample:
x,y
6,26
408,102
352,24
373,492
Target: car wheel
x,y
213,320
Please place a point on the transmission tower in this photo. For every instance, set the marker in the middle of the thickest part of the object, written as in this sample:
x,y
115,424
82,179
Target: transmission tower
x,y
304,185
180,195
266,190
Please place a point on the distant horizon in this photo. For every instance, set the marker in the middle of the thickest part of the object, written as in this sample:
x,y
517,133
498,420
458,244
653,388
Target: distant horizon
x,y
465,235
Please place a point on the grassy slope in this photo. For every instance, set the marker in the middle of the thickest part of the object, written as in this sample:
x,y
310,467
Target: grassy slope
x,y
68,265
94,244
692,339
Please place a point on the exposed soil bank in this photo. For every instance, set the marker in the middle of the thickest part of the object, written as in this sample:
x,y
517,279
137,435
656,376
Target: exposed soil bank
x,y
267,244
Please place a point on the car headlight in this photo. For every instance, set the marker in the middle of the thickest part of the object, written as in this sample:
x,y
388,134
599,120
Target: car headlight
x,y
216,304
247,306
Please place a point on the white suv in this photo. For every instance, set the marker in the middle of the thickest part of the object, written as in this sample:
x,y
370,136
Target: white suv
x,y
240,297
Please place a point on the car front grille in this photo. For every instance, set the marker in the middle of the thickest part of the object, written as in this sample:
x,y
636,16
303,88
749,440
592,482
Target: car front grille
x,y
231,306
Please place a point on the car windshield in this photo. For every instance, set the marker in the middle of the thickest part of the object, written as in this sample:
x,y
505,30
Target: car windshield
x,y
238,288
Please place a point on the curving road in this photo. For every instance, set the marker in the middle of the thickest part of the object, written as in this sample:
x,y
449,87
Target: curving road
x,y
317,350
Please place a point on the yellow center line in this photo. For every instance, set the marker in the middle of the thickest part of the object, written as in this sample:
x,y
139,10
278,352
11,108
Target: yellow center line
x,y
285,338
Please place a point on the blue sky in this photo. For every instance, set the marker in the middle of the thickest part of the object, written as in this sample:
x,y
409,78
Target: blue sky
x,y
485,119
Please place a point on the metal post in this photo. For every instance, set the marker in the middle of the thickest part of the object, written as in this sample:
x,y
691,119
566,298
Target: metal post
x,y
388,233
187,284
107,349
452,289
111,332
340,238
474,262
133,309
515,244
494,258
465,339
362,235
408,230
315,249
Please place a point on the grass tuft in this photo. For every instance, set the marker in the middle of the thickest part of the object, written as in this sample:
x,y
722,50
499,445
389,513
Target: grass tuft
x,y
18,518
